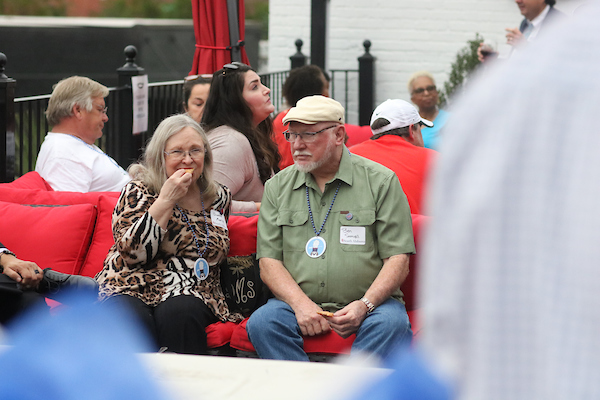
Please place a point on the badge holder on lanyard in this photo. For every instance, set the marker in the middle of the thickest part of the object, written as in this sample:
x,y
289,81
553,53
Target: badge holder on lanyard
x,y
316,245
201,265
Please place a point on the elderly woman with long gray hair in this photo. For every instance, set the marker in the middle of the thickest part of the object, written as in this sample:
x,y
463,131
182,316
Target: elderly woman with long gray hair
x,y
170,229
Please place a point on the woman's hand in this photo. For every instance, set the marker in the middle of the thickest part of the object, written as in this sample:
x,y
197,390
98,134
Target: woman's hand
x,y
175,187
172,190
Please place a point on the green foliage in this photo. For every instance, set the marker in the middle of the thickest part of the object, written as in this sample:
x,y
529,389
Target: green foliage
x,y
260,12
466,62
53,8
179,9
148,9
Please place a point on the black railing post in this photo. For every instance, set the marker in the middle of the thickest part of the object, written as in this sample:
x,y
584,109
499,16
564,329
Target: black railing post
x,y
366,85
7,124
128,147
298,59
318,32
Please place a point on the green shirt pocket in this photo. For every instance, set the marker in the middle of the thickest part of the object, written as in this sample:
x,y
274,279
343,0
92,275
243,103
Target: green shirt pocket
x,y
293,225
357,230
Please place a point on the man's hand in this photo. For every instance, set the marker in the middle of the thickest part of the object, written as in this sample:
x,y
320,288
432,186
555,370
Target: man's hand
x,y
485,51
27,273
346,321
310,322
513,36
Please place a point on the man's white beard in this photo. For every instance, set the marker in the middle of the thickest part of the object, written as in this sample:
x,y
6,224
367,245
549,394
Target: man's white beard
x,y
311,166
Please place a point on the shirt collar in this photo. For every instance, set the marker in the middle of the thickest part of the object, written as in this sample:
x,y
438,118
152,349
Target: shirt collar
x,y
344,172
538,20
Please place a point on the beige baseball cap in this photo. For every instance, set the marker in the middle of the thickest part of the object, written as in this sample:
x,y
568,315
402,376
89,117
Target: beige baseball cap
x,y
314,109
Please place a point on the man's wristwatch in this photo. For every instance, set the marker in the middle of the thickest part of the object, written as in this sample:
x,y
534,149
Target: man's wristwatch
x,y
370,306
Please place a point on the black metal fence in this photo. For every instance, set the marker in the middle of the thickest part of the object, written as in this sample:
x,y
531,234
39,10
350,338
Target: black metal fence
x,y
23,124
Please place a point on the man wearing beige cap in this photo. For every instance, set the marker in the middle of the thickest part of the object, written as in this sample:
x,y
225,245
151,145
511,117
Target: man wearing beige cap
x,y
334,234
397,144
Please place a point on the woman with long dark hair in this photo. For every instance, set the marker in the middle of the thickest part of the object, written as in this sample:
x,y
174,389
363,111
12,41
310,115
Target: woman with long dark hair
x,y
237,118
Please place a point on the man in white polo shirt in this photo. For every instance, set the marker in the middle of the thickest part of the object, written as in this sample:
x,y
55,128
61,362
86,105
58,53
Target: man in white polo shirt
x,y
68,159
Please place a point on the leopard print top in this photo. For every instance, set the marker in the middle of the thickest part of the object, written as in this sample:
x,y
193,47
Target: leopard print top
x,y
153,265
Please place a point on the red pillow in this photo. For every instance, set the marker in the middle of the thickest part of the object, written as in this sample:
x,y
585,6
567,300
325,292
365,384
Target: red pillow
x,y
37,196
242,234
219,334
102,240
31,180
55,237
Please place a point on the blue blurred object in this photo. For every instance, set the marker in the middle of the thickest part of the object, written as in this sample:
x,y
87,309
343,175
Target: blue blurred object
x,y
85,351
411,379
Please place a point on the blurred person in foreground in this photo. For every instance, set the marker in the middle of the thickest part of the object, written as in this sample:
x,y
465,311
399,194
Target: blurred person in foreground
x,y
538,15
195,95
424,94
334,234
397,143
68,159
170,230
510,287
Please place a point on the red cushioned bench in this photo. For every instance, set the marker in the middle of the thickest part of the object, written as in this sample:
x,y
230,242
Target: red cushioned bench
x,y
84,223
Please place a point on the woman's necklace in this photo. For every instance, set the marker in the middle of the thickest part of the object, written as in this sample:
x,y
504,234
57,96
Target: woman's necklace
x,y
315,247
201,265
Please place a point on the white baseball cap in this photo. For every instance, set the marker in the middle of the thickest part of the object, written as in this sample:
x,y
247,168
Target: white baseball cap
x,y
400,113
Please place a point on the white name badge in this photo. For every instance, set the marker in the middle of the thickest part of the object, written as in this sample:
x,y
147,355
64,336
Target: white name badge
x,y
353,235
218,219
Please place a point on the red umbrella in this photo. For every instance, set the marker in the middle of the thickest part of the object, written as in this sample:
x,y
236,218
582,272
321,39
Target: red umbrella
x,y
219,34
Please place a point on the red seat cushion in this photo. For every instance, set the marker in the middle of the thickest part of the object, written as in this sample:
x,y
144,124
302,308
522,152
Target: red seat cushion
x,y
242,234
415,323
219,334
102,239
329,343
51,236
104,201
239,338
37,196
31,180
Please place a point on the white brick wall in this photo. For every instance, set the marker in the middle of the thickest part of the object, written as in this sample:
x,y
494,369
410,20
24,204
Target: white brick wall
x,y
406,35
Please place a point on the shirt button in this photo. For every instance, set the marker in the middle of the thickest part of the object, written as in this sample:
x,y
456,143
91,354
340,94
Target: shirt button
x,y
291,221
323,204
324,230
323,256
322,284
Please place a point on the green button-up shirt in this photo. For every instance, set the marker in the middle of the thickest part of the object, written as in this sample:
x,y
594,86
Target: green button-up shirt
x,y
370,201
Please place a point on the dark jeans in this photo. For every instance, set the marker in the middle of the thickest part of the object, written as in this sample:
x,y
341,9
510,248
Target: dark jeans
x,y
14,300
178,323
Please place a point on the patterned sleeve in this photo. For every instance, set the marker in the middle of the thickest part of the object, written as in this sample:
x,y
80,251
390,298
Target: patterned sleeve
x,y
227,202
137,235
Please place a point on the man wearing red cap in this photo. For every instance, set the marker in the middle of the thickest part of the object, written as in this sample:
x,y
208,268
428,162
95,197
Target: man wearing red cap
x,y
334,234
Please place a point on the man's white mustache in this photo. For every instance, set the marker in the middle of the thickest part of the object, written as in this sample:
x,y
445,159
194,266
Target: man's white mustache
x,y
301,153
